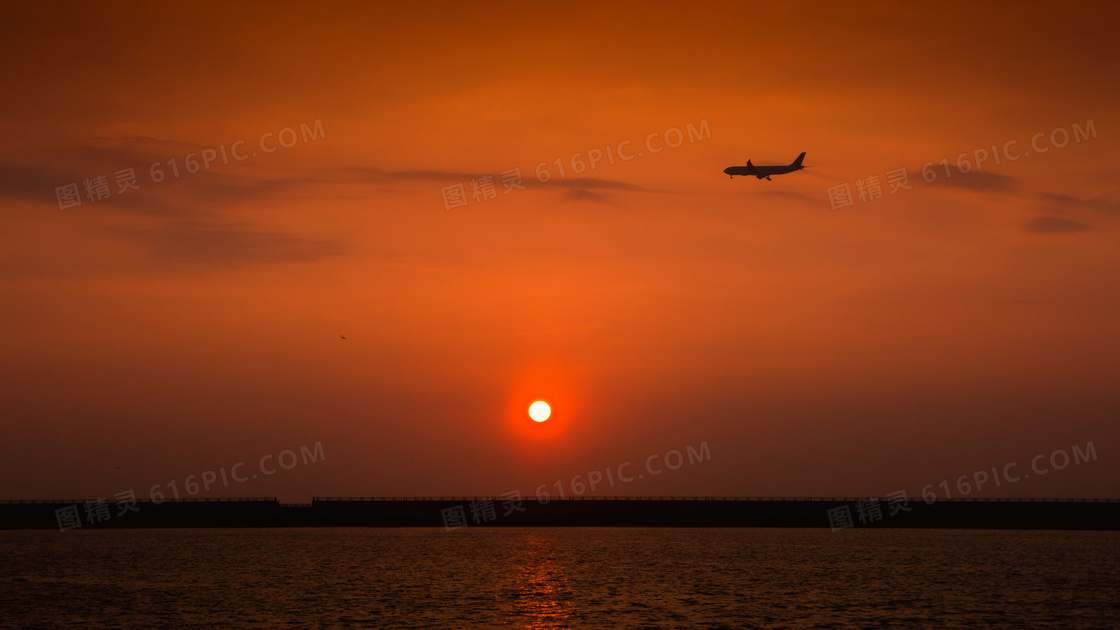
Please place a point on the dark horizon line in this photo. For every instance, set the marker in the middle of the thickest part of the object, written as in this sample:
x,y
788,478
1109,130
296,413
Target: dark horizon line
x,y
458,512
632,497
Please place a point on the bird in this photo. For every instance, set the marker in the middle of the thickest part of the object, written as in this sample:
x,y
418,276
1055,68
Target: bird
x,y
343,338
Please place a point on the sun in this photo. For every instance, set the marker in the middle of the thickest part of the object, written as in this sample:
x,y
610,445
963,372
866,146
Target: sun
x,y
539,411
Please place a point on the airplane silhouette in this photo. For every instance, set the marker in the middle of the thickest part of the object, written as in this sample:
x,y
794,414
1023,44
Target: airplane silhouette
x,y
764,172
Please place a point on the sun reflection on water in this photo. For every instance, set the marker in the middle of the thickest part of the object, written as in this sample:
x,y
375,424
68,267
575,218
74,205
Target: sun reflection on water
x,y
540,600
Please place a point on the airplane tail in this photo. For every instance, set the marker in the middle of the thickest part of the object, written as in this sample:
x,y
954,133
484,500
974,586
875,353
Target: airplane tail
x,y
799,159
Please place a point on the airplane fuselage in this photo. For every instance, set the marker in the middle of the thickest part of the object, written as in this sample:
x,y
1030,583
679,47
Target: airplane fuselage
x,y
764,172
761,171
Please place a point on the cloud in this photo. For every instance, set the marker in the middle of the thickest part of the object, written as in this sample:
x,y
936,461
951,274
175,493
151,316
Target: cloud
x,y
1055,225
27,181
130,152
37,178
196,195
36,182
581,194
596,183
226,245
979,181
786,194
360,173
233,188
1059,200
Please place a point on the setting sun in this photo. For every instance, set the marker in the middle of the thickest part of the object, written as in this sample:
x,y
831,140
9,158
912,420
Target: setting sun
x,y
539,411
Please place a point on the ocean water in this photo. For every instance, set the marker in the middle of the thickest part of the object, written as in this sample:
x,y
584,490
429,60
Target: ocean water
x,y
559,578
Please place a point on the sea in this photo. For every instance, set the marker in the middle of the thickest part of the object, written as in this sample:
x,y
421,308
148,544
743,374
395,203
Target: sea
x,y
551,578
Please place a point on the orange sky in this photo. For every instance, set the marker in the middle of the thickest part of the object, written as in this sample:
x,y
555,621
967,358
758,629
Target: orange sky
x,y
897,342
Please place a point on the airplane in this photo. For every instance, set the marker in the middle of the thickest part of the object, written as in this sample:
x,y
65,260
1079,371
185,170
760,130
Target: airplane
x,y
764,172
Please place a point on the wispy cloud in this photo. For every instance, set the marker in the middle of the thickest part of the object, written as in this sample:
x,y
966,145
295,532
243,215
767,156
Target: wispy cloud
x,y
37,177
590,183
979,181
581,194
361,173
1063,201
33,181
1055,225
785,194
197,244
